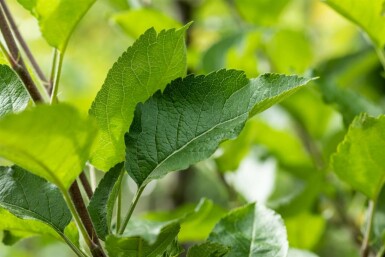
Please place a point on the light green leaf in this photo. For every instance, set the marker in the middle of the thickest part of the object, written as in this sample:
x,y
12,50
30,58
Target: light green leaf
x,y
147,66
143,239
203,216
252,230
187,122
30,197
13,96
359,159
134,22
366,14
57,18
103,200
53,142
207,250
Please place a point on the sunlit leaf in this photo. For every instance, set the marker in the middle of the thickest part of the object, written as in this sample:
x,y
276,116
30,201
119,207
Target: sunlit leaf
x,y
53,142
366,14
57,18
359,159
147,66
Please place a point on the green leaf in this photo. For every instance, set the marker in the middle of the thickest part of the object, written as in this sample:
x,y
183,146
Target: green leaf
x,y
186,123
102,202
30,197
203,216
252,230
359,159
147,66
366,14
207,250
57,18
53,142
13,96
143,239
135,22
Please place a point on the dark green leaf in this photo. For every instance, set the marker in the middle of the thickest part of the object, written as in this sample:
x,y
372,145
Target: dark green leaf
x,y
53,142
187,122
30,197
13,96
359,159
207,250
102,202
147,66
143,239
253,231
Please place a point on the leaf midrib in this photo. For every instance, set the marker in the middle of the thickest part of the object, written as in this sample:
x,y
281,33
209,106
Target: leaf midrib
x,y
189,142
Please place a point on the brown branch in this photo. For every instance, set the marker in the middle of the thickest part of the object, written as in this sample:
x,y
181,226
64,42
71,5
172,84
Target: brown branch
x,y
23,44
86,185
17,62
76,196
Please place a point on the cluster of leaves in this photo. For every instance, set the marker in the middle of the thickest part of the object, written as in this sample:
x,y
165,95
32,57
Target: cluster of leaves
x,y
151,118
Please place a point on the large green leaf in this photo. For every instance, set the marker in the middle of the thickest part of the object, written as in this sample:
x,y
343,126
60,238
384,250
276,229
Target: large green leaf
x,y
366,14
135,21
186,123
30,197
57,18
53,142
147,66
252,230
143,239
103,200
359,159
207,250
13,96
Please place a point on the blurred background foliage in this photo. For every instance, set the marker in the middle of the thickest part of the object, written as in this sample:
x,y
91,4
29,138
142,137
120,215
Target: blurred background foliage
x,y
282,156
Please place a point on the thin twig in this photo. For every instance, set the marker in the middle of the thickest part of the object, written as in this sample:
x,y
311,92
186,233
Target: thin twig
x,y
95,247
53,71
131,209
86,185
17,62
24,45
365,249
55,88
